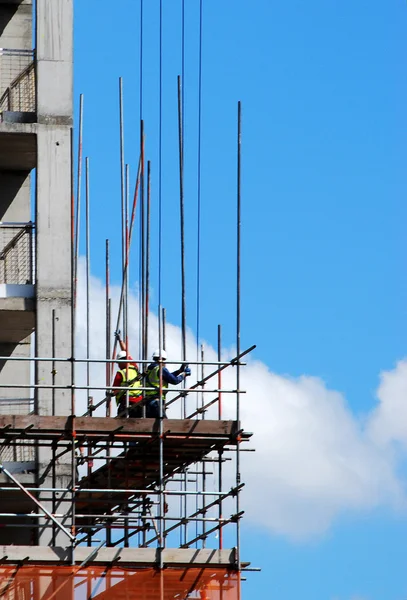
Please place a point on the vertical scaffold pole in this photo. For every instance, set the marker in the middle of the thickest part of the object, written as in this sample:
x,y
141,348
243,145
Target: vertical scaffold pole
x,y
89,464
87,200
220,454
142,334
161,524
122,176
108,373
147,257
182,223
53,371
126,275
203,463
198,233
73,323
161,469
164,317
238,254
183,295
54,446
108,348
143,243
78,195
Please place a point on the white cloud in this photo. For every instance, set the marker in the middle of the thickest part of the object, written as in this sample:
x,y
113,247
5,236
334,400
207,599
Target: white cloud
x,y
388,423
314,459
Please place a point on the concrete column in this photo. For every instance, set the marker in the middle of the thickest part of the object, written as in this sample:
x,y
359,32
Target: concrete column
x,y
53,221
54,61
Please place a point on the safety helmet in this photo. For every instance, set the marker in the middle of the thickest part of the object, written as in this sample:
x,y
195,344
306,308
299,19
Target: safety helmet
x,y
159,353
121,355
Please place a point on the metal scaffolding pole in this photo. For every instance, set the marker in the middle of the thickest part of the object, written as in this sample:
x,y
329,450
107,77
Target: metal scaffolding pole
x,y
220,453
87,272
122,174
238,284
78,194
73,328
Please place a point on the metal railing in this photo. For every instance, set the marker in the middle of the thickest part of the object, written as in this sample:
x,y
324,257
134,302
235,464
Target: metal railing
x,y
17,81
16,253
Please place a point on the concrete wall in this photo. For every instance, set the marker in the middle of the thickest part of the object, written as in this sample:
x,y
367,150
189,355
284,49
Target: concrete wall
x,y
53,261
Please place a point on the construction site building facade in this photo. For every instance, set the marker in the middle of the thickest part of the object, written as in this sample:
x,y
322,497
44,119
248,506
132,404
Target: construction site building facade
x,y
91,505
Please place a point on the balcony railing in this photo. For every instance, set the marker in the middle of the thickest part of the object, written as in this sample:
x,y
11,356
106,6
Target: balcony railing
x,y
17,81
16,253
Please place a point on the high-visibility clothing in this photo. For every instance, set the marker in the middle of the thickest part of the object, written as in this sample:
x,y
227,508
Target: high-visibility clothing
x,y
153,380
130,379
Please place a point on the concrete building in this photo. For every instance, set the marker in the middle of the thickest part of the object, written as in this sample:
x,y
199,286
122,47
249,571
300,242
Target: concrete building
x,y
35,210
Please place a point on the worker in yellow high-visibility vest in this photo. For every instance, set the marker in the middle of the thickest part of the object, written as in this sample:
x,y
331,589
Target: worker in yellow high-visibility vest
x,y
152,380
127,376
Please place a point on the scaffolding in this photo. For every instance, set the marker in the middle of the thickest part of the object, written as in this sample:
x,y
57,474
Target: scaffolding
x,y
140,486
152,488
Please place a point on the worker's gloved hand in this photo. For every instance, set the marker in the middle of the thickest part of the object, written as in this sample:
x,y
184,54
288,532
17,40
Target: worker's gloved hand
x,y
183,367
117,334
187,371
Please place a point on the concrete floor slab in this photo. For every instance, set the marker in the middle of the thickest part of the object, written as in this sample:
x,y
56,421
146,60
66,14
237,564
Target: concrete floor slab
x,y
18,146
17,319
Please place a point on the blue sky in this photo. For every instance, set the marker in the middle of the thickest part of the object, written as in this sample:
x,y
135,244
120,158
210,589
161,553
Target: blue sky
x,y
323,90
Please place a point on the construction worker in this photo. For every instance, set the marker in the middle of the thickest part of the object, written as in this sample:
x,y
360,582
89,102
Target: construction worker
x,y
152,380
127,376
